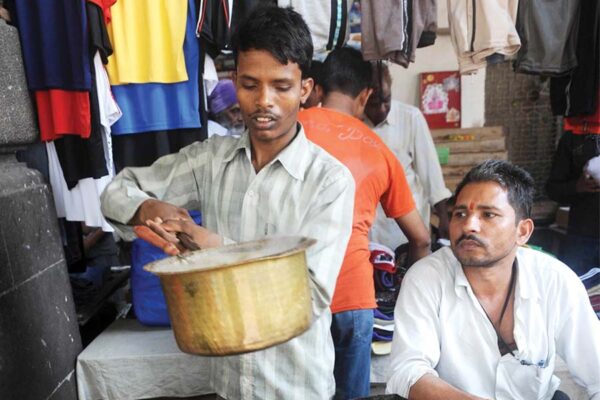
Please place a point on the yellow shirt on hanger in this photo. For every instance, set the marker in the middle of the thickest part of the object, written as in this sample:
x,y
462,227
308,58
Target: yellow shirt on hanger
x,y
147,39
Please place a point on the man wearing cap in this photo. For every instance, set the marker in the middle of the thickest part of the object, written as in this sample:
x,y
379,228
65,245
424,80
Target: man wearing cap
x,y
225,116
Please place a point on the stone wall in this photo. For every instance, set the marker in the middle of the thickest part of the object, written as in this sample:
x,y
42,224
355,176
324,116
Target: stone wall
x,y
521,103
39,335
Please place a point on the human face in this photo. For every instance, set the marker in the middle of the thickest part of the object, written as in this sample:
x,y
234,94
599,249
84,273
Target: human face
x,y
483,227
234,117
270,94
378,106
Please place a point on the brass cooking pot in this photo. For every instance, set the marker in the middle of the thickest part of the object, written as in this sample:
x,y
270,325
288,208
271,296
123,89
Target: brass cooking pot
x,y
237,298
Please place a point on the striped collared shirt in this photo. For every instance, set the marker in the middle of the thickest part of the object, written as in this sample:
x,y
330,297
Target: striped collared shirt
x,y
303,191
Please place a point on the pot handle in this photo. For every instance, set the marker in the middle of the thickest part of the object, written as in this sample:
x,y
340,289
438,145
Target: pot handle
x,y
187,241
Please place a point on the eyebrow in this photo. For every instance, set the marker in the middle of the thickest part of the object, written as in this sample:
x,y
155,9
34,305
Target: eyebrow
x,y
479,207
275,81
247,77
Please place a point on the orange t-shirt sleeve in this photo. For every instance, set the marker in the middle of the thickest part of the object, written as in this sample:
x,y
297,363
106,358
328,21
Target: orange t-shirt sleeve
x,y
397,200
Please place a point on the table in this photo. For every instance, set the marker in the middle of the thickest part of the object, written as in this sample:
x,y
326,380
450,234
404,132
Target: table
x,y
129,361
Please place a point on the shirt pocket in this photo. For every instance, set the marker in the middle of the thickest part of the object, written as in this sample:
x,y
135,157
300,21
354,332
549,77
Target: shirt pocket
x,y
522,380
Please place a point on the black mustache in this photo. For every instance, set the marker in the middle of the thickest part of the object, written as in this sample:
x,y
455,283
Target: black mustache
x,y
470,237
262,115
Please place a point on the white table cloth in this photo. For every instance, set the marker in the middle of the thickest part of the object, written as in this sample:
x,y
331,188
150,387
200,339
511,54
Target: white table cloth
x,y
129,361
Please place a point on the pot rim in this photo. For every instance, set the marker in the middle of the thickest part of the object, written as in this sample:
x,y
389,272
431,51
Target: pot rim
x,y
302,244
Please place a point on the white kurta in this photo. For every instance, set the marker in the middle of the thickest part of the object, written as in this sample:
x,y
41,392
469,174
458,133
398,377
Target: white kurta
x,y
441,329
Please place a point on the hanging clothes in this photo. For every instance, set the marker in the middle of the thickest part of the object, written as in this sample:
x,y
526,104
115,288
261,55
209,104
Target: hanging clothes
x,y
156,107
584,124
416,24
126,148
63,112
81,201
480,29
81,158
548,32
217,20
147,39
98,33
109,112
575,94
105,6
210,77
385,30
54,42
213,27
425,22
327,21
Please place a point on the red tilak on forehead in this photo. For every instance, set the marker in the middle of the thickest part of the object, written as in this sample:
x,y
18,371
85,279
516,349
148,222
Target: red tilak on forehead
x,y
471,206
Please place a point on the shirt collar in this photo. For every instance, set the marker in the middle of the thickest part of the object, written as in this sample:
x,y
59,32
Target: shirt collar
x,y
526,285
242,143
461,283
294,157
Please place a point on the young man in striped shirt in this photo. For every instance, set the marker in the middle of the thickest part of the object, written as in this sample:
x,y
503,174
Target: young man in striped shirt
x,y
270,181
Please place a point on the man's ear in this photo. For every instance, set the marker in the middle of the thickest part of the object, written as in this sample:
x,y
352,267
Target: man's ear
x,y
306,86
361,102
524,231
364,96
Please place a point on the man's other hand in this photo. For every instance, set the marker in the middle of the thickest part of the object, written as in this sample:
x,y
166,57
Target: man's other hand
x,y
151,209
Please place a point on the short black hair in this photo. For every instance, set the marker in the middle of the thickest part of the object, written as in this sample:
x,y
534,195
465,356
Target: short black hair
x,y
345,71
316,71
279,31
515,180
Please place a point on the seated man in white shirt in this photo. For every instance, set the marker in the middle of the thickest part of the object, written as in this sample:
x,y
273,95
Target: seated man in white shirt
x,y
487,317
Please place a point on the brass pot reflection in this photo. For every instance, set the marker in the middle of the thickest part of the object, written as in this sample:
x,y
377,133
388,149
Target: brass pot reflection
x,y
237,298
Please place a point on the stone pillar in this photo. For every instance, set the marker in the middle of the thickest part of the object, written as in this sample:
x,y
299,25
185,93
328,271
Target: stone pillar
x,y
39,335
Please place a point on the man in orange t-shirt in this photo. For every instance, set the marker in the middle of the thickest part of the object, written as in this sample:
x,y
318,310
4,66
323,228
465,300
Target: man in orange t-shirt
x,y
379,177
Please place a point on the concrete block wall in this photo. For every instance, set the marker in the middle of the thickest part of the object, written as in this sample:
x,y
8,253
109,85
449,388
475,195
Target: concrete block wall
x,y
521,103
39,335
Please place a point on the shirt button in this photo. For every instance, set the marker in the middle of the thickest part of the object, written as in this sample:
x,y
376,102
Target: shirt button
x,y
250,193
